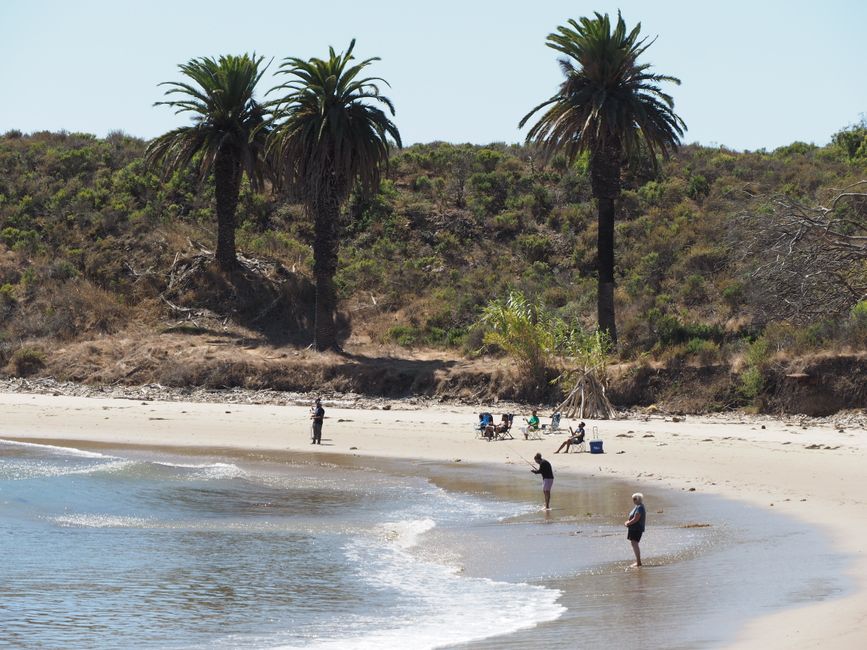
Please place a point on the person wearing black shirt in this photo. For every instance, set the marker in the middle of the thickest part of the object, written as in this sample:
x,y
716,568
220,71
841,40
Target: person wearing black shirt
x,y
317,414
547,473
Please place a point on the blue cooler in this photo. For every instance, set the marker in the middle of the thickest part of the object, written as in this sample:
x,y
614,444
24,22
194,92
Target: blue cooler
x,y
596,447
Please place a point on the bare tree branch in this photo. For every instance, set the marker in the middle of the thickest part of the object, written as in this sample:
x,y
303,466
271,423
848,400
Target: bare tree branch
x,y
804,262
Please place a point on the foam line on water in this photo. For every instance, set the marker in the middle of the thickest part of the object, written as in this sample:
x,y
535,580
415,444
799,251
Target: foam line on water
x,y
19,471
405,534
208,470
436,605
61,451
466,506
101,521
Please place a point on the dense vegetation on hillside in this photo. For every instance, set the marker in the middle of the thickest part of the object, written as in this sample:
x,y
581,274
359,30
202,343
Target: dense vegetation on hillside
x,y
88,238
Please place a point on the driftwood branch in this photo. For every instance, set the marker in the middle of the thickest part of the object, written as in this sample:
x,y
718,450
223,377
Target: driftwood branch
x,y
805,262
587,398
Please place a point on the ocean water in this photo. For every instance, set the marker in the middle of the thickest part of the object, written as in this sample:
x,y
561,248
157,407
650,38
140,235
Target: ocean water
x,y
152,549
140,550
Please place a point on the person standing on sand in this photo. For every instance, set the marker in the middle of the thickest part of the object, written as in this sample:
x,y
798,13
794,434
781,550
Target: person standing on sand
x,y
317,414
547,473
635,525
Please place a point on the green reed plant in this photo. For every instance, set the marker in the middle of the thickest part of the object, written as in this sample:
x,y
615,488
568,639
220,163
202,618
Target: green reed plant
x,y
521,328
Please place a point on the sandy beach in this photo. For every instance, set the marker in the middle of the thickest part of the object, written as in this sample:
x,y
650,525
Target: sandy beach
x,y
810,472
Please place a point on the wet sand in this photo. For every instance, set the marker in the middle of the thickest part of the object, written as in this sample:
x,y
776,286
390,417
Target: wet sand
x,y
710,564
802,493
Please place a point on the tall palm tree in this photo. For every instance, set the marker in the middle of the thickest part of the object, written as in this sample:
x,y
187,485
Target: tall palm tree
x,y
228,135
328,140
612,107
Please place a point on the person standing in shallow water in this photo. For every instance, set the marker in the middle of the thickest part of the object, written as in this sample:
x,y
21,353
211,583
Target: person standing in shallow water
x,y
635,525
547,473
317,414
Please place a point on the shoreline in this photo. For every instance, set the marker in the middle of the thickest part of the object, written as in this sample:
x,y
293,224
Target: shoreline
x,y
812,474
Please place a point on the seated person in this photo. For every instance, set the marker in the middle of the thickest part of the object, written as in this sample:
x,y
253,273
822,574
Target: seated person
x,y
486,424
575,438
504,425
532,425
493,430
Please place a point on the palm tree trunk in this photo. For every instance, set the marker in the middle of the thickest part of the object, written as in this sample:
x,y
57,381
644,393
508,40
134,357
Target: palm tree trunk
x,y
605,181
325,247
227,187
605,254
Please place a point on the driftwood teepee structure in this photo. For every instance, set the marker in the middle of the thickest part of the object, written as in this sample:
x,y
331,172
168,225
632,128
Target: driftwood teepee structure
x,y
587,399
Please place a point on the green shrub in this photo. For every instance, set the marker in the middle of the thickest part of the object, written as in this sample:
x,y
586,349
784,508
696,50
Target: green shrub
x,y
733,294
507,222
359,274
555,297
852,141
670,330
489,159
62,270
794,149
422,183
280,245
651,193
535,248
705,259
447,243
27,241
750,383
697,188
706,351
758,352
451,337
27,360
403,335
7,294
693,290
856,329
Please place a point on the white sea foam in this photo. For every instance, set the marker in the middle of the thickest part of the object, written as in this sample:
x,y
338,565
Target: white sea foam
x,y
458,618
19,471
220,471
436,605
208,470
100,521
468,506
56,449
164,463
405,534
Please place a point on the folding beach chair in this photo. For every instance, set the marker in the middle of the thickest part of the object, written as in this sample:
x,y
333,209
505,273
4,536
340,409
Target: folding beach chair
x,y
504,434
554,427
531,434
485,420
580,445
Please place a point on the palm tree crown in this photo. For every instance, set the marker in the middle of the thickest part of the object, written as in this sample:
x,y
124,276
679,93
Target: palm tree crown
x,y
228,134
330,137
607,100
328,132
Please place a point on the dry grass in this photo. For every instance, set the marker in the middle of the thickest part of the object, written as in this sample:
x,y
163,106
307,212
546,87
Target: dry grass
x,y
65,310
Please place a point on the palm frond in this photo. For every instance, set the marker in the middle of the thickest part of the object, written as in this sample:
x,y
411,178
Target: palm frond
x,y
225,114
328,134
607,99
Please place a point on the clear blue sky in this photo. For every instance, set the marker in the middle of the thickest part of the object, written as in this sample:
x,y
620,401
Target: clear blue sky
x,y
758,73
